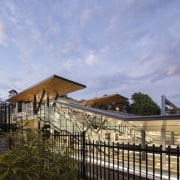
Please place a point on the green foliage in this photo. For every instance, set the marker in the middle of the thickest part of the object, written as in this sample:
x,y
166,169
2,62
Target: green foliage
x,y
143,105
12,93
35,157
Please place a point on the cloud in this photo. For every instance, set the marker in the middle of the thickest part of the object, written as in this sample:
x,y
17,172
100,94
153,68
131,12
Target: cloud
x,y
112,24
111,46
144,58
91,59
3,35
173,70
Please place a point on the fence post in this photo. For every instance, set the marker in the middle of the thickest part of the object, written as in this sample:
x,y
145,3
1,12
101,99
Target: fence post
x,y
143,134
83,154
163,143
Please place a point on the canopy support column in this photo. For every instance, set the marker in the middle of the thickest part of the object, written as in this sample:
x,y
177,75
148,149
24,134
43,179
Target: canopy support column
x,y
34,105
163,143
47,101
163,105
54,104
40,102
172,138
143,137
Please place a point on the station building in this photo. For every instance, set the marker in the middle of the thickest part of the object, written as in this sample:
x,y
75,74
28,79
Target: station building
x,y
46,105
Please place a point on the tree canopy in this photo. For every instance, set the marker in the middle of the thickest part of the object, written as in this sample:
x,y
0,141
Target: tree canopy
x,y
12,93
143,105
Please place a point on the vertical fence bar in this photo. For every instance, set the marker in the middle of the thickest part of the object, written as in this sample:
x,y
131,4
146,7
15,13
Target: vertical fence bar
x,y
160,162
93,158
153,161
113,159
73,146
100,161
104,160
140,159
96,166
118,161
82,150
134,161
128,160
177,151
90,151
123,161
87,157
75,143
83,155
146,150
109,160
169,162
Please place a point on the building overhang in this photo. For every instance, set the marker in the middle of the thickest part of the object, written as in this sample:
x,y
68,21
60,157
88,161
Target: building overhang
x,y
145,123
155,123
115,98
52,86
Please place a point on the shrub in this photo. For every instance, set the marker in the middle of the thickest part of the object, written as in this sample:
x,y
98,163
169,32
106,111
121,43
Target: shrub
x,y
34,157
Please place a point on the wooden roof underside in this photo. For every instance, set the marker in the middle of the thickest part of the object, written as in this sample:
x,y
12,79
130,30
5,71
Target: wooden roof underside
x,y
116,98
54,85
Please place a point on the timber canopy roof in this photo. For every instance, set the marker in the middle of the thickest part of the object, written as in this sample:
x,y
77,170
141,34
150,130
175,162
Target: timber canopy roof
x,y
115,98
52,86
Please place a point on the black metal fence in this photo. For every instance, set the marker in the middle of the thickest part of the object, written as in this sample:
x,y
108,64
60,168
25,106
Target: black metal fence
x,y
115,161
5,116
100,160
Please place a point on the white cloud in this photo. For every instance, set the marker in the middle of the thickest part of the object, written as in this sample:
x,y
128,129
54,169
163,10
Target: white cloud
x,y
91,59
173,70
3,36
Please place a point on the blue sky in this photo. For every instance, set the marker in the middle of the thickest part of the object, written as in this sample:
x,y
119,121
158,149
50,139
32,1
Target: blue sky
x,y
116,46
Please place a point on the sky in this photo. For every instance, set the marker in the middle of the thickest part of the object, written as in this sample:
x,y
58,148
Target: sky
x,y
111,46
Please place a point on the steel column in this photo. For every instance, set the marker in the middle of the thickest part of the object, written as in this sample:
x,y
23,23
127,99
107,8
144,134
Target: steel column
x,y
40,102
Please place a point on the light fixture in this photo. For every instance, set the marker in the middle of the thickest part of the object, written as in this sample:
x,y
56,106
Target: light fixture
x,y
117,108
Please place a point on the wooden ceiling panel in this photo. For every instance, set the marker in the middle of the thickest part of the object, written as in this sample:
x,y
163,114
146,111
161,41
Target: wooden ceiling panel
x,y
115,98
52,86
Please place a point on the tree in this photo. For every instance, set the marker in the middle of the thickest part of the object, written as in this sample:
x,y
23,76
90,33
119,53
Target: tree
x,y
12,93
143,105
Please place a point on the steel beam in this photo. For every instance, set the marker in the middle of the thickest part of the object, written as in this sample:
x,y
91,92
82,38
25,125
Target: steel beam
x,y
40,102
54,104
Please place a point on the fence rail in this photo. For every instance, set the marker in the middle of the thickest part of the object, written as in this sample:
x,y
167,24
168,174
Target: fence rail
x,y
102,160
115,161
